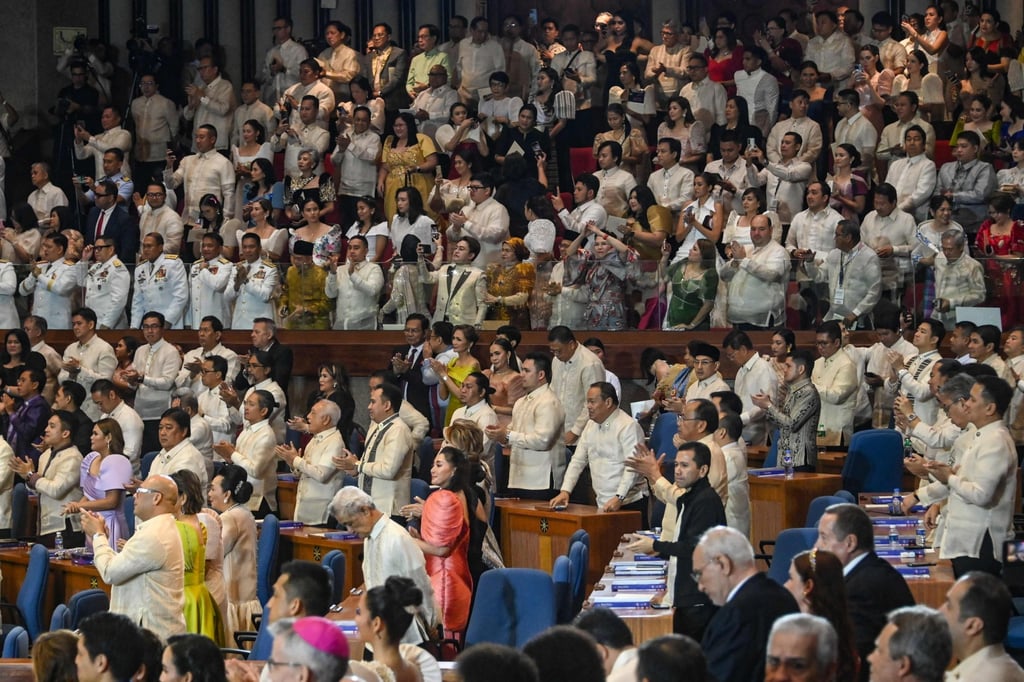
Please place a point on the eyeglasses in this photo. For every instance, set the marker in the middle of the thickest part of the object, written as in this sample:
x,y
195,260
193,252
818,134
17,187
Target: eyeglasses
x,y
103,246
207,371
101,194
145,491
152,326
475,188
154,195
699,572
291,664
253,366
684,418
703,363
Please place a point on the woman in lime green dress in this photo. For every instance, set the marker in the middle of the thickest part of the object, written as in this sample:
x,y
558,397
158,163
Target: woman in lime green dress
x,y
458,368
202,617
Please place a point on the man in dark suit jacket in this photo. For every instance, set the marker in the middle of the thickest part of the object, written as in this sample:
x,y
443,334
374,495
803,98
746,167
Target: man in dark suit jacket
x,y
698,509
281,357
873,586
736,639
116,223
407,364
386,66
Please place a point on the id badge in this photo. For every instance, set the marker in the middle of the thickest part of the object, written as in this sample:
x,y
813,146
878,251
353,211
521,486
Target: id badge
x,y
839,298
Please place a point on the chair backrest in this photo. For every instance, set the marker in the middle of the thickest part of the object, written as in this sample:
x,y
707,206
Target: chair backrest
x,y
19,511
772,458
579,535
665,427
512,605
85,603
560,576
264,642
874,462
357,440
129,513
334,561
418,488
145,463
16,643
266,557
425,455
500,472
61,618
790,542
32,594
846,496
579,559
817,508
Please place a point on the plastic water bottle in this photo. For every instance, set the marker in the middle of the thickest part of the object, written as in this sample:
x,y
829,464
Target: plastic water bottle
x,y
908,448
894,537
787,463
821,433
58,542
921,534
896,505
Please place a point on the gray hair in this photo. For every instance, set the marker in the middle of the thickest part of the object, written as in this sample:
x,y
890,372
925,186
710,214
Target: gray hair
x,y
186,399
671,24
349,501
312,152
727,542
922,635
958,236
957,387
826,642
325,667
331,410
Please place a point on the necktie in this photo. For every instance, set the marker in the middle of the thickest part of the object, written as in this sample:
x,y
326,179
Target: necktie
x,y
99,225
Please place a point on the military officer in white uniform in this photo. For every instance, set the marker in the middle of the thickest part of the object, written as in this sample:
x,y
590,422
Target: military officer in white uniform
x,y
252,285
208,279
107,283
161,283
52,282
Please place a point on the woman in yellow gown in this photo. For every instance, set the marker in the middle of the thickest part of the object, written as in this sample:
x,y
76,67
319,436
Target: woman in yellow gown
x,y
407,158
202,617
458,368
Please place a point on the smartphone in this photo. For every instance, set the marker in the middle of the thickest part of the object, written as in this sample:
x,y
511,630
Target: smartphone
x,y
536,148
170,146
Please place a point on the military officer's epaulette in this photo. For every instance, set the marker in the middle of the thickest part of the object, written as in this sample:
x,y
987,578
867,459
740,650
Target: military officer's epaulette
x,y
223,260
4,260
171,256
69,261
267,261
126,177
118,263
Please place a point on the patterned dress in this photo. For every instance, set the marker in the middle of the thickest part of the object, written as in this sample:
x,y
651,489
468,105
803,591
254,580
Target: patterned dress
x,y
514,285
605,282
1004,276
401,166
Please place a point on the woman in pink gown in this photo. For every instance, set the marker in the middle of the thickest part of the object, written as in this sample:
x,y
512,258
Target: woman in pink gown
x,y
103,475
444,538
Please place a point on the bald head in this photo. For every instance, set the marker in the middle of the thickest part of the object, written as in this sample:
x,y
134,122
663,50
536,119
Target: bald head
x,y
157,495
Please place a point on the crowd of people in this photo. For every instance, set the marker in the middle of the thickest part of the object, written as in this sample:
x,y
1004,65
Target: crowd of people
x,y
724,164
725,172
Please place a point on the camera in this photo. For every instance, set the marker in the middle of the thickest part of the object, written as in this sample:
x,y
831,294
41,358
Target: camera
x,y
81,43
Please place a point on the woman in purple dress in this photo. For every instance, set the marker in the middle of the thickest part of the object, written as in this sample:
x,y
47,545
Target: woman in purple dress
x,y
103,477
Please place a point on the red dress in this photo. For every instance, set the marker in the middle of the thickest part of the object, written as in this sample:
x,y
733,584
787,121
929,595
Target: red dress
x,y
444,525
724,71
1004,276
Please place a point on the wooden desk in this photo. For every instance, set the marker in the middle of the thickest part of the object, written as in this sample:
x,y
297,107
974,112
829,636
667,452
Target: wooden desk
x,y
930,591
309,544
645,624
532,535
65,579
777,503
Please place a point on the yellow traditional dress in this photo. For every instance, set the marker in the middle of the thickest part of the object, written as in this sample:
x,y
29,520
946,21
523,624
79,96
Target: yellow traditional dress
x,y
201,614
401,165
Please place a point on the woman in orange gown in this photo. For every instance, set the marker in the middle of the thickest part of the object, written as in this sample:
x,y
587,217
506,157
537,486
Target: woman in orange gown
x,y
444,537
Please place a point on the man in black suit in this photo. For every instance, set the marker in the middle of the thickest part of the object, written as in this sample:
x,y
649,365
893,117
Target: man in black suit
x,y
873,586
736,639
407,364
698,509
107,219
263,338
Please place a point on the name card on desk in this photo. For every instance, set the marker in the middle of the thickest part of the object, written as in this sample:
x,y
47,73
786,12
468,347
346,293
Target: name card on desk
x,y
914,571
767,471
290,524
632,600
637,587
895,521
645,570
341,535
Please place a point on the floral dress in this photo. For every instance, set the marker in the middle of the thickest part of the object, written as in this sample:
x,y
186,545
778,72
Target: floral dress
x,y
686,296
1004,276
401,165
604,282
325,246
